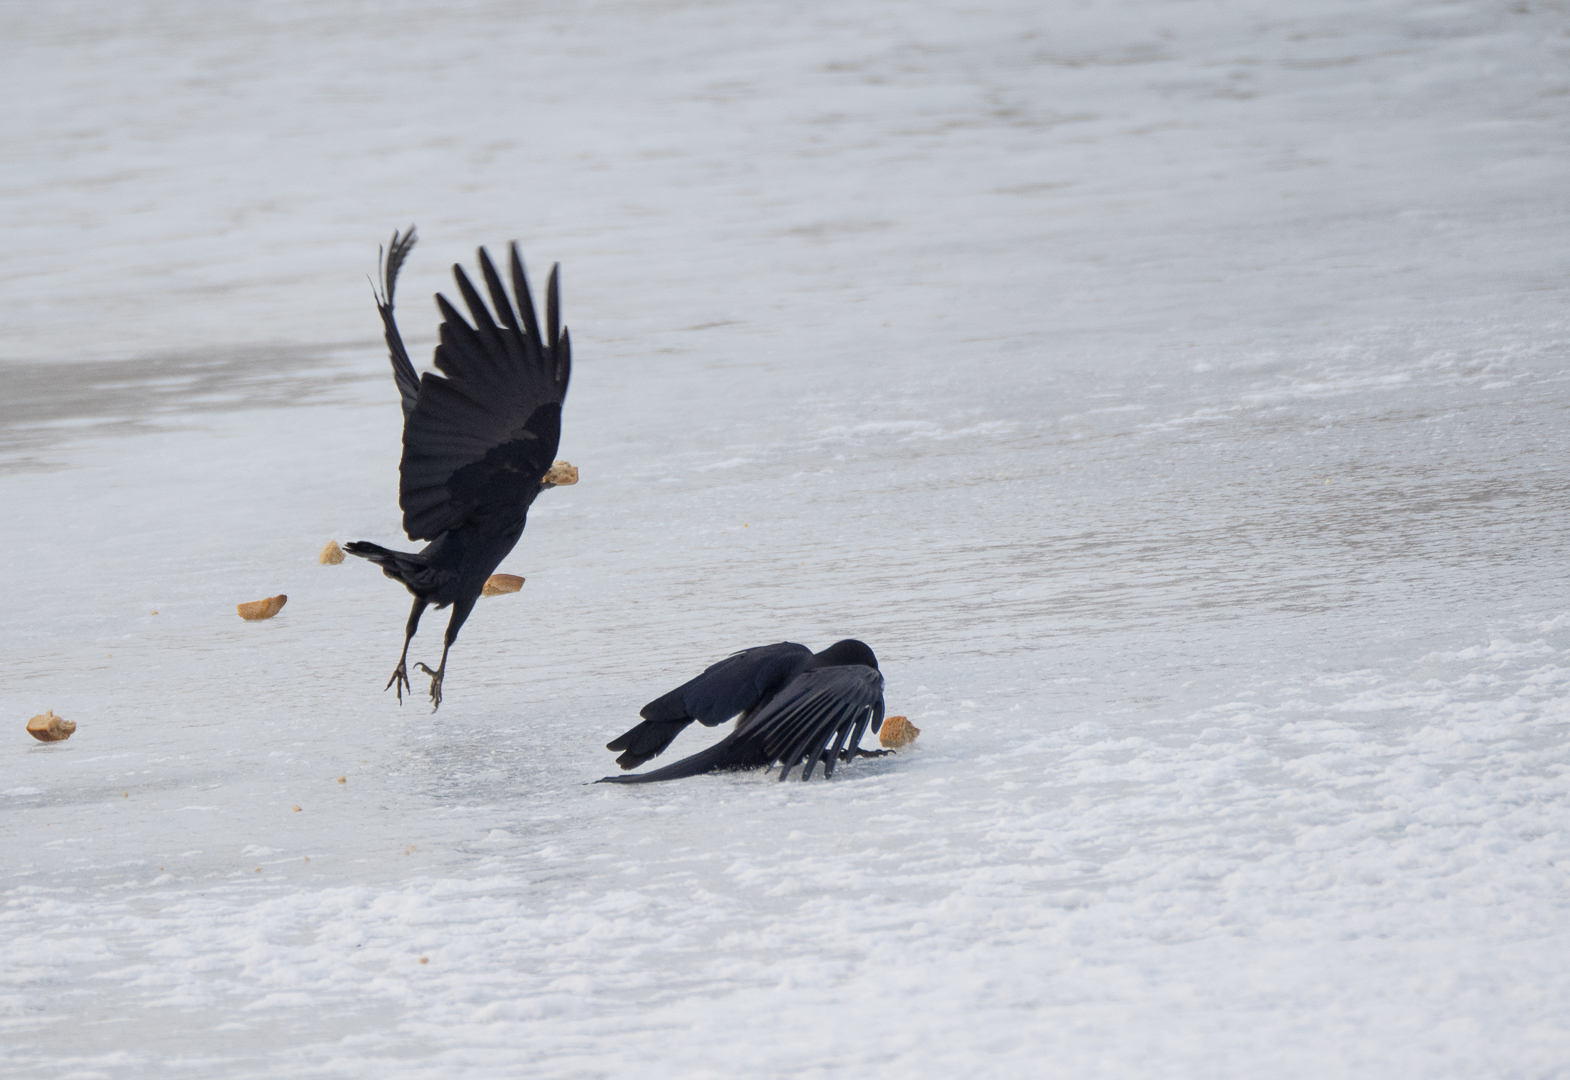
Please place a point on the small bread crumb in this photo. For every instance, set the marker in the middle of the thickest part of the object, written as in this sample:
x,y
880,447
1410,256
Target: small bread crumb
x,y
897,732
425,959
331,555
343,779
296,808
262,609
497,584
47,727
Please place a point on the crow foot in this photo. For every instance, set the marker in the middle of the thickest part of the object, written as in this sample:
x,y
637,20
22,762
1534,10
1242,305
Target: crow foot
x,y
846,755
400,679
436,684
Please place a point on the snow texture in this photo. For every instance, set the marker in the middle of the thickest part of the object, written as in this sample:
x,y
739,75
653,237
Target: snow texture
x,y
1172,393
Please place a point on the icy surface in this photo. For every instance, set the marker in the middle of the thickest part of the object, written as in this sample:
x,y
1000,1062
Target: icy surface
x,y
1174,395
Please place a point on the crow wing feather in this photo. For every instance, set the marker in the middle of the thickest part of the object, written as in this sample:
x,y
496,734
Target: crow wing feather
x,y
403,371
483,432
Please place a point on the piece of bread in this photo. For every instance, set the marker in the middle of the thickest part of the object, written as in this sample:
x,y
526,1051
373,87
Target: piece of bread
x,y
331,555
262,609
47,727
497,584
561,474
897,732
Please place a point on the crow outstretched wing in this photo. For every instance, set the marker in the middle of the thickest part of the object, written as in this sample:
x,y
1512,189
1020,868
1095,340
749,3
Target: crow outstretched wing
x,y
729,688
817,716
391,262
483,432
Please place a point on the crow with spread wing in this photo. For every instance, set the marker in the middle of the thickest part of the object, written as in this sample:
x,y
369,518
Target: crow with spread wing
x,y
478,440
792,704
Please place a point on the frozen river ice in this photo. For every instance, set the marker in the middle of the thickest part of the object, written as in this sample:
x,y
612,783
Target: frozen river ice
x,y
1173,394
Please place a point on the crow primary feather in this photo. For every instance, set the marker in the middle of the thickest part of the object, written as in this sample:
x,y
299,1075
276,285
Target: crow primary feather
x,y
478,439
794,707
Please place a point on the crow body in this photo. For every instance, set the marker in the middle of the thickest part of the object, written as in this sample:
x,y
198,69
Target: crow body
x,y
477,440
794,707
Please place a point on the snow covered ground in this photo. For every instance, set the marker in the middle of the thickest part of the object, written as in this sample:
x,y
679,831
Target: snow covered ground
x,y
1173,394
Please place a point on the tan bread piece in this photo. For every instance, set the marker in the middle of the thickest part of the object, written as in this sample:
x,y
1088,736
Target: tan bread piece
x,y
897,732
262,609
497,584
562,474
331,555
47,727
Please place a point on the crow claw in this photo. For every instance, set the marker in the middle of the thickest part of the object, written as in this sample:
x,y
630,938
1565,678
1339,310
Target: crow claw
x,y
436,684
400,679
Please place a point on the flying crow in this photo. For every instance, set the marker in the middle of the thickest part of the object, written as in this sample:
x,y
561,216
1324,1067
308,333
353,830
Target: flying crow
x,y
476,444
792,703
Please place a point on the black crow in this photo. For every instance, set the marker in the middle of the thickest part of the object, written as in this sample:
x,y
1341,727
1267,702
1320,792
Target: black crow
x,y
476,444
791,702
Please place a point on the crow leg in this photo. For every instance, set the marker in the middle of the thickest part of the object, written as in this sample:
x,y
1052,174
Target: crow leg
x,y
460,612
846,755
400,677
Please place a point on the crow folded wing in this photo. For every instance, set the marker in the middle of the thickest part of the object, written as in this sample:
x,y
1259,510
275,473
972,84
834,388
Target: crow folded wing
x,y
730,687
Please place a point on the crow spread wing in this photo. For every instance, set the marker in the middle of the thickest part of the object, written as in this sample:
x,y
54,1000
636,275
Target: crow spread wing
x,y
731,687
819,715
837,703
403,371
482,434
